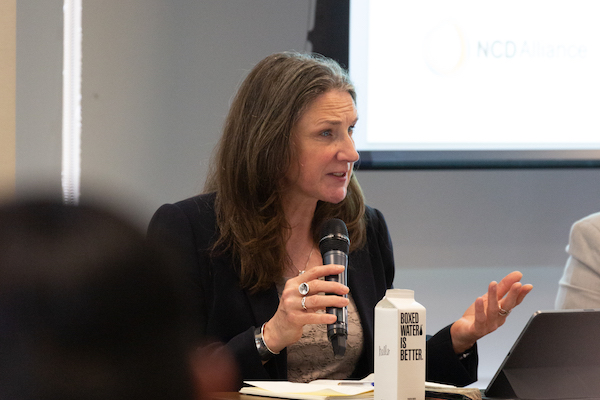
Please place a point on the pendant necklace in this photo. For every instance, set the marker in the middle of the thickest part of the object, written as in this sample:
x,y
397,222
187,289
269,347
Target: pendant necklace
x,y
307,261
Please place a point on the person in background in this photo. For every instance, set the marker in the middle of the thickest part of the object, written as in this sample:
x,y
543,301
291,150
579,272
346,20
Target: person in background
x,y
579,286
90,310
249,244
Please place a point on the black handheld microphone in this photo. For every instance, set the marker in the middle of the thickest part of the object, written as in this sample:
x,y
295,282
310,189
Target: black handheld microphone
x,y
334,246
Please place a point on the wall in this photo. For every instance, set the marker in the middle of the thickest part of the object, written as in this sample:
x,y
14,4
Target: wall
x,y
8,56
157,81
158,77
39,97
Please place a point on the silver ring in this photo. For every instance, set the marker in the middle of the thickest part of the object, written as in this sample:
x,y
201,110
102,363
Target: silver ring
x,y
503,312
303,288
304,303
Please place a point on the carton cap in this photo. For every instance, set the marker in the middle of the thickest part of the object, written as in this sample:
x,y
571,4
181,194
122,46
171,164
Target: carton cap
x,y
400,293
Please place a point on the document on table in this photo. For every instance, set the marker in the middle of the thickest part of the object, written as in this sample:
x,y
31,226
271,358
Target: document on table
x,y
327,389
320,389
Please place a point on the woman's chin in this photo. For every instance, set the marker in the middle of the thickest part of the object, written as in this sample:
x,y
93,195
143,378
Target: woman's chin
x,y
336,197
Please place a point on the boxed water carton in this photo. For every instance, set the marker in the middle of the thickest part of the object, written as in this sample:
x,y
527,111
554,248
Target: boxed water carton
x,y
399,347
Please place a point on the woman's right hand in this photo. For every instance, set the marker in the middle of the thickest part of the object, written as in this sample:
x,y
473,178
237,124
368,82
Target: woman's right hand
x,y
285,328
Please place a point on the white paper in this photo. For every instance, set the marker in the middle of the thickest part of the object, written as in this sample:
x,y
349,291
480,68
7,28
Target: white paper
x,y
332,389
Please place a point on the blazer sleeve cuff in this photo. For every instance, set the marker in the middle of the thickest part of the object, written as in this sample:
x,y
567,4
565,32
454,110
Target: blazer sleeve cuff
x,y
249,363
445,366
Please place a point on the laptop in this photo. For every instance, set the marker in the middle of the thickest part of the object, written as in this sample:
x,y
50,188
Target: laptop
x,y
556,356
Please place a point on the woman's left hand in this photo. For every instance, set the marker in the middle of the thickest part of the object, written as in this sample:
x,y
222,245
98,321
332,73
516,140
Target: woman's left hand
x,y
489,311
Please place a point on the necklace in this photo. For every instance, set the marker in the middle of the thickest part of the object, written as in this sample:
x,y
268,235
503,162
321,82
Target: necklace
x,y
307,261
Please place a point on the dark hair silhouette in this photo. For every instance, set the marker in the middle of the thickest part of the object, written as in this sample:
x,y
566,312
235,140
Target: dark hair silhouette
x,y
88,308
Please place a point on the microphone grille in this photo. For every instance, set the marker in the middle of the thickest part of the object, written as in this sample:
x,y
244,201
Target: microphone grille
x,y
334,236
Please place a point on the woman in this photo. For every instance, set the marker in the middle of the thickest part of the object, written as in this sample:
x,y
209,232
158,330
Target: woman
x,y
283,166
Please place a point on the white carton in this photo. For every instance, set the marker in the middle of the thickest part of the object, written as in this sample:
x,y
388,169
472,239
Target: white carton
x,y
399,347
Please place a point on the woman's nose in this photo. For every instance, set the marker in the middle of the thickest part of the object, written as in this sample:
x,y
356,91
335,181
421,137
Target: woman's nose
x,y
348,151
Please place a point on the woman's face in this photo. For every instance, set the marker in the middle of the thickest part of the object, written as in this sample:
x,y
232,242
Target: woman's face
x,y
324,149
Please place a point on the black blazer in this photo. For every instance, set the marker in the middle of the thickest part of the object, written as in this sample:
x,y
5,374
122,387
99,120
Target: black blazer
x,y
230,314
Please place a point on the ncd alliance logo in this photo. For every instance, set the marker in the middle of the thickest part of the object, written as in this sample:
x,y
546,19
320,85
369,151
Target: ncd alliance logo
x,y
445,48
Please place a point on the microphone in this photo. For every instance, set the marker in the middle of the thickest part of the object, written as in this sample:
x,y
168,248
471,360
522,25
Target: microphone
x,y
334,246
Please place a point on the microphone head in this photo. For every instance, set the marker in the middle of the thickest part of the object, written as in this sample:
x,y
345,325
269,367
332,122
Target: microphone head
x,y
334,236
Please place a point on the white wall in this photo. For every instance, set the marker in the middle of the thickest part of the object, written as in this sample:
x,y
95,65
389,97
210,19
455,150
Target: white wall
x,y
38,97
158,77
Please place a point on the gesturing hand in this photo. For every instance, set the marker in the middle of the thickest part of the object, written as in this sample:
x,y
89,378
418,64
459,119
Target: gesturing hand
x,y
489,311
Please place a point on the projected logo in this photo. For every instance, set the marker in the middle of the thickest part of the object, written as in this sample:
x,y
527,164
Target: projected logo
x,y
445,48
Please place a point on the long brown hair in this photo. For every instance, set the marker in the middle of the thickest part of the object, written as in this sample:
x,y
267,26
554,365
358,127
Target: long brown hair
x,y
253,156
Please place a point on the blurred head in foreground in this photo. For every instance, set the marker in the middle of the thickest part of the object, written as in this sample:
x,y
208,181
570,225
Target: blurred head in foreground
x,y
90,310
